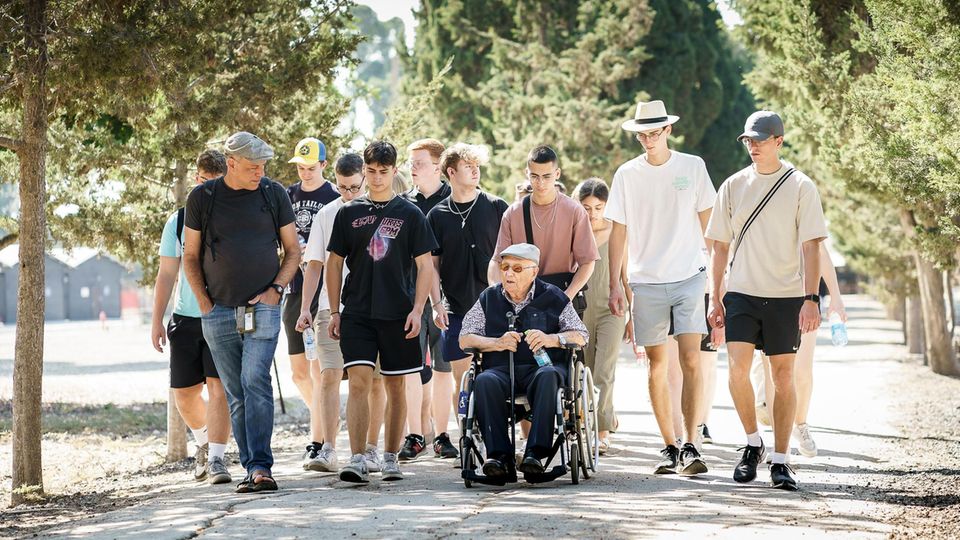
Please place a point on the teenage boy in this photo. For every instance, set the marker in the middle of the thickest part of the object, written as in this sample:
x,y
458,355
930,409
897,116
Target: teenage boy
x,y
466,225
660,203
191,364
381,237
771,214
328,370
421,389
308,196
556,224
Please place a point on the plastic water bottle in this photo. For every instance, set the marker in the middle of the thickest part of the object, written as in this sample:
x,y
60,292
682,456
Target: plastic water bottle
x,y
838,330
310,344
542,358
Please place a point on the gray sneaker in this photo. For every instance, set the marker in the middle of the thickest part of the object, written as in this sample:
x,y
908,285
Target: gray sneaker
x,y
200,462
391,467
355,471
217,472
325,461
372,459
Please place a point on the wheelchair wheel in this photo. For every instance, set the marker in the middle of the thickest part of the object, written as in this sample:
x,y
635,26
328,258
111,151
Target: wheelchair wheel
x,y
466,461
575,462
590,432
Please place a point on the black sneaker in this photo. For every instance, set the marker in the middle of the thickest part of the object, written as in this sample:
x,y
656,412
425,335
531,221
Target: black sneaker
x,y
413,446
443,448
746,469
691,462
705,434
668,465
781,478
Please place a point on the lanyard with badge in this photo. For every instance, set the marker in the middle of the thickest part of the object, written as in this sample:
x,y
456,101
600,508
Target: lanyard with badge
x,y
245,324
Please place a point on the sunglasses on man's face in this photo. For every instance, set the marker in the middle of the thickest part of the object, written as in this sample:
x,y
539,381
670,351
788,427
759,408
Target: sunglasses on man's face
x,y
516,268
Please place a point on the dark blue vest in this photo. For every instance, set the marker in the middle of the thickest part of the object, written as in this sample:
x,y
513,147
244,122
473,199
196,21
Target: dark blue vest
x,y
542,313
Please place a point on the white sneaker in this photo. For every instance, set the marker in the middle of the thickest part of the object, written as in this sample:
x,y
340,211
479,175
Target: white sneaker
x,y
355,471
807,446
325,460
372,458
391,467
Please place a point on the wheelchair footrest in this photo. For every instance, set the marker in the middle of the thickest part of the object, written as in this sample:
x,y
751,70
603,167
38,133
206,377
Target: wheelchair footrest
x,y
490,481
547,476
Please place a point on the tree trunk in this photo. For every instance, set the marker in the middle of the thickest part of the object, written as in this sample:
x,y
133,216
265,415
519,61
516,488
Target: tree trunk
x,y
914,325
938,346
176,428
27,474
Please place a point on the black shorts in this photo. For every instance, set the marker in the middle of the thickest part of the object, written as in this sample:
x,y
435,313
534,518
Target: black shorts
x,y
362,339
291,312
705,340
772,324
190,359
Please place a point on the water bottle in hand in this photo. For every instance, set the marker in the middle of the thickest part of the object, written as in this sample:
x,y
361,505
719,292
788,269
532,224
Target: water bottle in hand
x,y
838,330
310,344
542,358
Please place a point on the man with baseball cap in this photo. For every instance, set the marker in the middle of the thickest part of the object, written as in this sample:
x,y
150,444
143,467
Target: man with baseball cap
x,y
660,202
545,319
233,227
308,196
766,235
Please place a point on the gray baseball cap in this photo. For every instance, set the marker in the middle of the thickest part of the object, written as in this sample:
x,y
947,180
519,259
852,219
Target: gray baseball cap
x,y
248,146
529,252
762,125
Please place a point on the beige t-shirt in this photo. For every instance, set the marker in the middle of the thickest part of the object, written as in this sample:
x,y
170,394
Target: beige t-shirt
x,y
563,235
769,262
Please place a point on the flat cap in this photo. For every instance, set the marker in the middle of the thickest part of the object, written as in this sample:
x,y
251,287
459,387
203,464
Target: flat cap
x,y
247,146
528,252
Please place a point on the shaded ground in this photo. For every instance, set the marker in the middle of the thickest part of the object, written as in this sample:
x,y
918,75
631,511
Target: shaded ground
x,y
889,433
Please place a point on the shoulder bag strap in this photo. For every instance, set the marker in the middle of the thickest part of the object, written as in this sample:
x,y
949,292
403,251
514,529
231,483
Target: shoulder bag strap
x,y
527,222
757,210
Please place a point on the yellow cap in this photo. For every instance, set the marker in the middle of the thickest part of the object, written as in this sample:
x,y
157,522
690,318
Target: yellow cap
x,y
309,151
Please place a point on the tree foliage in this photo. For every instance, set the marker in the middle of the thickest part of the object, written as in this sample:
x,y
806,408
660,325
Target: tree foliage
x,y
568,73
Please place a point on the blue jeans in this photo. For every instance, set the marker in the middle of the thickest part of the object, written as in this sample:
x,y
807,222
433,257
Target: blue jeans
x,y
243,362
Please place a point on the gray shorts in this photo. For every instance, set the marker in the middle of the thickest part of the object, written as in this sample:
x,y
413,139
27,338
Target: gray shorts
x,y
653,304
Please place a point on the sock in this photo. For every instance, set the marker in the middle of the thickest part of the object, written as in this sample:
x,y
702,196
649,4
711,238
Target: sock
x,y
371,447
200,435
327,446
753,439
779,458
217,450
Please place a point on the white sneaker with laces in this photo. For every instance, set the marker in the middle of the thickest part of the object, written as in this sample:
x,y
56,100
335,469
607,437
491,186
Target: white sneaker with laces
x,y
807,446
372,459
391,467
327,459
355,471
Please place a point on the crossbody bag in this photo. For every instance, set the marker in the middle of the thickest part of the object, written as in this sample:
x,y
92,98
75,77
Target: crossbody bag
x,y
756,212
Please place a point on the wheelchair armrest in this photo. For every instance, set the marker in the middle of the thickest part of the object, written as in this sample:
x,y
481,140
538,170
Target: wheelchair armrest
x,y
472,350
572,347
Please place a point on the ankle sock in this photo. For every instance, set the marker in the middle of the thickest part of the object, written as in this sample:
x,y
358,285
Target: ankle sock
x,y
216,450
753,439
779,458
326,446
200,435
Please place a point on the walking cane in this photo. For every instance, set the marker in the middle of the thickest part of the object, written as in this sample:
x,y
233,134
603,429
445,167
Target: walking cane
x,y
511,320
283,407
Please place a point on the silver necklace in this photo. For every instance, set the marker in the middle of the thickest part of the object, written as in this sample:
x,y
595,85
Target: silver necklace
x,y
381,206
464,215
553,215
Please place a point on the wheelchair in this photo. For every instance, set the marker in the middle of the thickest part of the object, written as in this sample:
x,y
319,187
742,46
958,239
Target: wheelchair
x,y
576,447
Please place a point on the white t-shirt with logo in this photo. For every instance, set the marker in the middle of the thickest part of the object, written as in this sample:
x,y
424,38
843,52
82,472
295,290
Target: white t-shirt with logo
x,y
769,263
316,250
659,205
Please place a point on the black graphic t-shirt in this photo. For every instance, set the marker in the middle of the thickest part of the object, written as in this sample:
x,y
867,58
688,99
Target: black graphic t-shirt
x,y
306,204
379,242
465,246
241,260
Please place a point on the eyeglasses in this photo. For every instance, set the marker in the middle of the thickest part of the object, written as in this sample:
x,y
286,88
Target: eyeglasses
x,y
205,177
748,142
652,137
414,165
541,178
516,268
351,189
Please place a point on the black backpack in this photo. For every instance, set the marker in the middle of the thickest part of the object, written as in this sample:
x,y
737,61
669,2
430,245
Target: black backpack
x,y
207,196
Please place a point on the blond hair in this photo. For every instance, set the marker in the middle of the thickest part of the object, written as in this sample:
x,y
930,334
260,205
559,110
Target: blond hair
x,y
471,153
433,146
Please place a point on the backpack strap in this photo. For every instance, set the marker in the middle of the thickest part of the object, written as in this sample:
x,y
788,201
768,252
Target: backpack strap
x,y
207,196
265,184
527,222
756,211
180,212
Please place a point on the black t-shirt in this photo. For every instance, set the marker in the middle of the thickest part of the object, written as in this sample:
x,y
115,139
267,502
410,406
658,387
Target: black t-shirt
x,y
425,204
465,248
306,204
240,260
379,245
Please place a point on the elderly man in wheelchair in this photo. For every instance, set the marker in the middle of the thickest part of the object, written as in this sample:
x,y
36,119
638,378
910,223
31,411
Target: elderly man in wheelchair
x,y
523,323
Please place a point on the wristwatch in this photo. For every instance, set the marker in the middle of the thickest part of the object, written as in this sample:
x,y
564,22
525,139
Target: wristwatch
x,y
815,298
277,287
563,340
